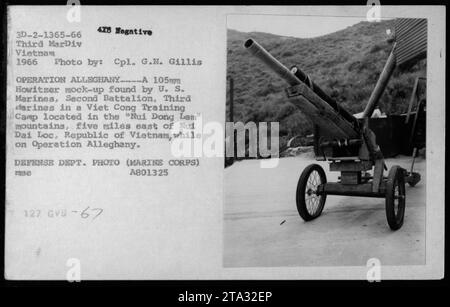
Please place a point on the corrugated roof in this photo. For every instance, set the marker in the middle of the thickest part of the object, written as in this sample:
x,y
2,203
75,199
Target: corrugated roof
x,y
411,37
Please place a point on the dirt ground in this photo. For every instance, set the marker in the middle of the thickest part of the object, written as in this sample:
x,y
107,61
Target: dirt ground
x,y
262,227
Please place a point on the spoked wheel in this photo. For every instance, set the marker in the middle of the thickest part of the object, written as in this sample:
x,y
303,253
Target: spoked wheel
x,y
309,203
395,197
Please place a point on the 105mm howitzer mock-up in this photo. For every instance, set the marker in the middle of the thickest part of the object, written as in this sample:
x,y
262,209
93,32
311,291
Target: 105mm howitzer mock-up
x,y
345,141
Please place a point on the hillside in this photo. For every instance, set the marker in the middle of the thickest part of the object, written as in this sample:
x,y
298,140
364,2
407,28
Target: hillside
x,y
345,64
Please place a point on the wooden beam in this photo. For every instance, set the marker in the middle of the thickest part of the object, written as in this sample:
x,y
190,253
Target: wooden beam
x,y
350,178
326,111
318,117
361,190
350,166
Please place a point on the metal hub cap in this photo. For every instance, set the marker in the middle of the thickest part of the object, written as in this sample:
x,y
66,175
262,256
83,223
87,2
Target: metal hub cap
x,y
312,200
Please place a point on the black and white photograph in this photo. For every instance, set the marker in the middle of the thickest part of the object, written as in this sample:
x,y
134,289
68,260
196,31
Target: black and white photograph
x,y
349,95
225,144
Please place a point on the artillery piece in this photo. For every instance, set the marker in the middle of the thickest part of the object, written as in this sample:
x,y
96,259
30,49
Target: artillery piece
x,y
345,141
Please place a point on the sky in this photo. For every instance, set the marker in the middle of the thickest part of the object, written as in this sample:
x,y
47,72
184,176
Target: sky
x,y
296,26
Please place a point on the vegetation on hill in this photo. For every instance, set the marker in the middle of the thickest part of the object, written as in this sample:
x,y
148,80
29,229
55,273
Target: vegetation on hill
x,y
345,64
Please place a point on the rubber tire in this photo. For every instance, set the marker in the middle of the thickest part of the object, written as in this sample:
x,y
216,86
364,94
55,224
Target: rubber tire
x,y
301,186
396,176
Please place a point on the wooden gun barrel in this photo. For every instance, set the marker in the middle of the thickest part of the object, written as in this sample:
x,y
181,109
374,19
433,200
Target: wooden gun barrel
x,y
259,52
296,77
